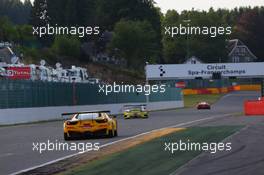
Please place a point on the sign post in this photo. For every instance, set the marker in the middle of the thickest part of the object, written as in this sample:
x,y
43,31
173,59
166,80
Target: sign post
x,y
147,82
262,88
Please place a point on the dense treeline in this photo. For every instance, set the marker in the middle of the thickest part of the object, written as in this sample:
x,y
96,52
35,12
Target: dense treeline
x,y
17,11
135,24
136,30
249,28
246,23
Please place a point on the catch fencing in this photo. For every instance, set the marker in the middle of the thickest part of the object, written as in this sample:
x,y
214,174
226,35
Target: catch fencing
x,y
27,94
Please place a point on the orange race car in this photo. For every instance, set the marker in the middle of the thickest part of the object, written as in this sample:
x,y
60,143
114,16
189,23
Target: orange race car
x,y
91,123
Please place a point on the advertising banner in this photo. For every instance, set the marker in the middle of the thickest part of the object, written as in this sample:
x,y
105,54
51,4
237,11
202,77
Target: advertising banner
x,y
180,84
18,73
191,71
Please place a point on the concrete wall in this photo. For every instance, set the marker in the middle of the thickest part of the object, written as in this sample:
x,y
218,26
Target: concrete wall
x,y
26,115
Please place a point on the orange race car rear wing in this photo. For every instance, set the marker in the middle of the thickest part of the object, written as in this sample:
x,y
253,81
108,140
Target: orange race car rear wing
x,y
141,106
85,112
135,105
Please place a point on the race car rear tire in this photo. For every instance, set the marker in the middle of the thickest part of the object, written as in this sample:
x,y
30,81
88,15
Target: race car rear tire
x,y
116,134
110,134
66,137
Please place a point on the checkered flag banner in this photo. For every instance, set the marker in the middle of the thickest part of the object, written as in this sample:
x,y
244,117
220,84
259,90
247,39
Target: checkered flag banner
x,y
162,71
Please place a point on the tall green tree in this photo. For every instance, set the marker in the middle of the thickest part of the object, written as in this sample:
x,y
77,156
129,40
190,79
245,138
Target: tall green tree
x,y
108,13
40,17
8,31
57,11
17,11
249,28
68,46
39,13
209,49
137,42
72,12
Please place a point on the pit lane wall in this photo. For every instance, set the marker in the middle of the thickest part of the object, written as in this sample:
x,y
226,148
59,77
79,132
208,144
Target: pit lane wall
x,y
23,102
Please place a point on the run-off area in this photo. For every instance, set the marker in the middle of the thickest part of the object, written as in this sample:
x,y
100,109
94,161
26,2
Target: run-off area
x,y
152,157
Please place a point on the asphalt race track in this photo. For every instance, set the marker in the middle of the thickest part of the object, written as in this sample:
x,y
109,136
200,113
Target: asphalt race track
x,y
16,141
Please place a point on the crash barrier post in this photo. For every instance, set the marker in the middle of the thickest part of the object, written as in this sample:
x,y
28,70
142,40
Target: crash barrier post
x,y
254,107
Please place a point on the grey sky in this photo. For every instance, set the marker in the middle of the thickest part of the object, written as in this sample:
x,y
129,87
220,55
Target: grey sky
x,y
180,5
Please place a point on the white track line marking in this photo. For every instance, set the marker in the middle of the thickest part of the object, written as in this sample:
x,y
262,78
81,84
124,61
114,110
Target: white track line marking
x,y
239,95
6,155
117,141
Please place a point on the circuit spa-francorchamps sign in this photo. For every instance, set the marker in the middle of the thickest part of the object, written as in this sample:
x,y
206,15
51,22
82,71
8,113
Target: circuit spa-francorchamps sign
x,y
191,71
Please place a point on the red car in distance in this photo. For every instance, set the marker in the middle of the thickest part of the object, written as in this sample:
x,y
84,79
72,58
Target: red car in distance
x,y
203,105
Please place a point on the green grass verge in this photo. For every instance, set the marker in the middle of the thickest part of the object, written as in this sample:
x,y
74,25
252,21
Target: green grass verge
x,y
150,158
192,100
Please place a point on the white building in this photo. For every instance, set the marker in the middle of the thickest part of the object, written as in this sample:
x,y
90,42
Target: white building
x,y
239,52
193,60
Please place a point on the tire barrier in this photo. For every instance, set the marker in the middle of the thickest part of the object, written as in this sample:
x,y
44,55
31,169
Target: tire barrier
x,y
222,90
250,87
207,91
